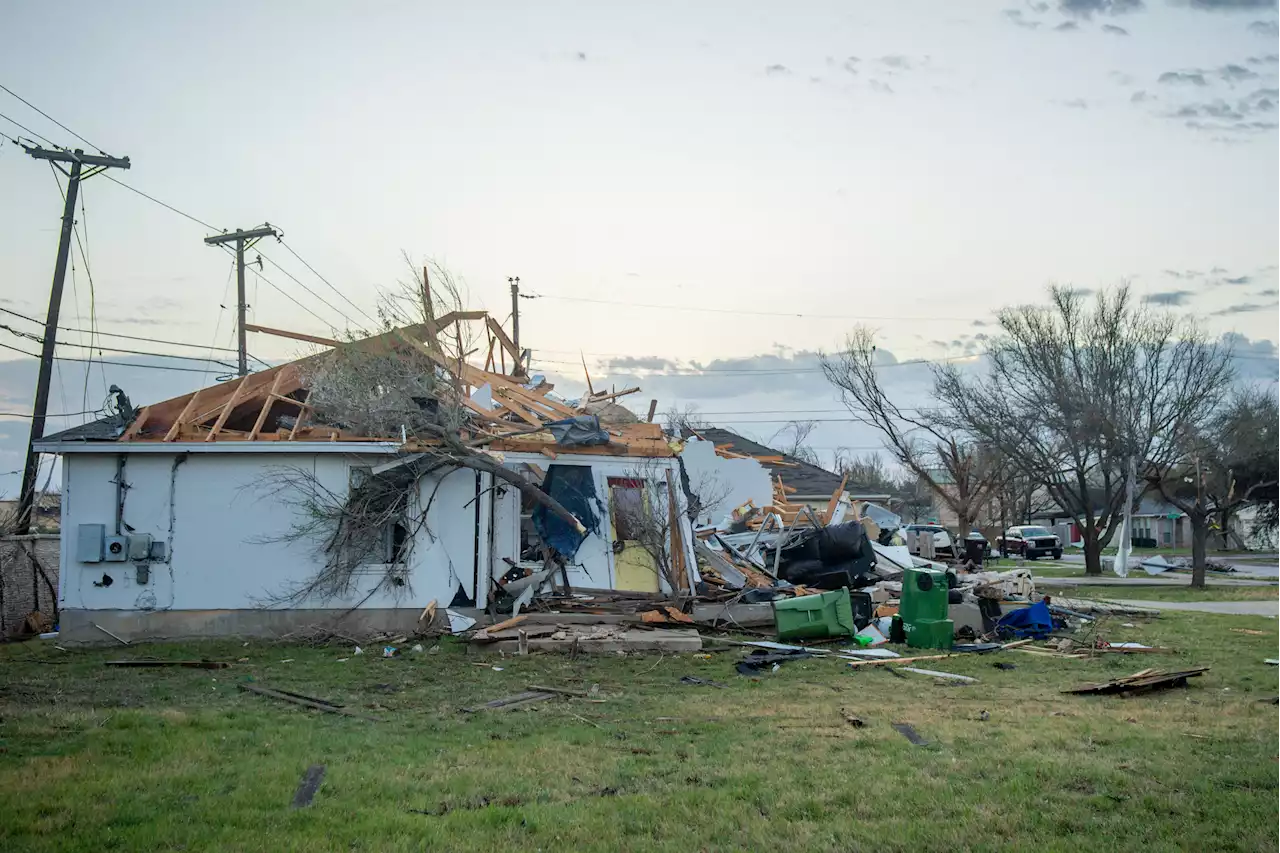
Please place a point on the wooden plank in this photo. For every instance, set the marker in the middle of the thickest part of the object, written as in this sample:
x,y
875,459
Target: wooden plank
x,y
302,414
226,409
306,703
676,536
503,338
266,407
138,423
653,407
519,411
186,411
835,500
296,336
517,700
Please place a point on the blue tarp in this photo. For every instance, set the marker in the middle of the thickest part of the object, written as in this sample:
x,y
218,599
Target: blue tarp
x,y
1035,621
574,487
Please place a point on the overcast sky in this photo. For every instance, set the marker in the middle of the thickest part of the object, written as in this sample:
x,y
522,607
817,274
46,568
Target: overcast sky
x,y
916,165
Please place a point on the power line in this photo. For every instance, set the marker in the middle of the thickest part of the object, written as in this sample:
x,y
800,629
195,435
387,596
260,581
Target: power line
x,y
743,311
166,206
52,119
277,289
28,130
307,289
29,415
290,250
130,337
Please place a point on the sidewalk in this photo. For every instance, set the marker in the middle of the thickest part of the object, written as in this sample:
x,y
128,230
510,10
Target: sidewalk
x,y
1143,579
1238,608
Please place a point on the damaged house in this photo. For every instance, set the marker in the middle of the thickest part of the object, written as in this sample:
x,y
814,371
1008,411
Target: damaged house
x,y
360,486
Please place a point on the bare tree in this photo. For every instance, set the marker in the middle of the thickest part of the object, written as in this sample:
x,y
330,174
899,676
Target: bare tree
x,y
868,470
960,471
1074,397
383,387
795,441
643,514
678,420
1222,468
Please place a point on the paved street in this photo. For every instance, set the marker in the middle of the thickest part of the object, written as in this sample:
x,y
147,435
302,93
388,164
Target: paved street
x,y
1239,608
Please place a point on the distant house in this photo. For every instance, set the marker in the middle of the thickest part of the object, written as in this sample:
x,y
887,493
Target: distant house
x,y
48,513
813,485
1154,519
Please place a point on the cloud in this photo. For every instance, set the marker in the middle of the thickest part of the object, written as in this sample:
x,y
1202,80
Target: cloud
x,y
1183,274
1211,109
1114,30
1268,59
1230,5
1270,29
1141,97
1270,291
1088,8
1252,359
1235,73
895,61
1195,78
1238,280
1016,18
882,88
1067,27
1170,297
851,64
1244,308
647,362
1074,104
777,69
1120,77
582,56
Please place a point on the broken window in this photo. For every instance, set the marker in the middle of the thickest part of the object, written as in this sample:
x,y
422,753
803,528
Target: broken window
x,y
395,542
626,496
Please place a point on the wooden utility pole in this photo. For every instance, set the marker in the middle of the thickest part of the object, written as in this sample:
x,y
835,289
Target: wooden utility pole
x,y
515,323
243,240
78,160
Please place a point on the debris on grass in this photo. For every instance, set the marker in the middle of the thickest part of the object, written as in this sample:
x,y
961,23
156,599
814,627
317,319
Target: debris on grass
x,y
517,701
305,701
1140,682
307,788
149,662
908,732
936,674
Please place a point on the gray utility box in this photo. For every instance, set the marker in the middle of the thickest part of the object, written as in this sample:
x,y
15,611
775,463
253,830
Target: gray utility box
x,y
90,542
139,546
117,550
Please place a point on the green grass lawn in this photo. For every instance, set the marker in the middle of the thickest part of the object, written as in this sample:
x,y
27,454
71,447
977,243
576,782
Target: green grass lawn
x,y
97,758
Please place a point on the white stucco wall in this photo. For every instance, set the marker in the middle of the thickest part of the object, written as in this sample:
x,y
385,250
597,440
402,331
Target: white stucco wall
x,y
222,528
224,520
729,483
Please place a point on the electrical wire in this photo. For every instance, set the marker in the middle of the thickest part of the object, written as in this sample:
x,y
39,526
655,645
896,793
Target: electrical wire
x,y
277,289
162,204
133,337
64,415
28,130
741,311
337,311
99,348
301,260
52,119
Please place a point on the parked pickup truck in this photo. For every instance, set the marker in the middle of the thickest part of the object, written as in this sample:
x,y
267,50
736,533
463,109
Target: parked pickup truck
x,y
1030,542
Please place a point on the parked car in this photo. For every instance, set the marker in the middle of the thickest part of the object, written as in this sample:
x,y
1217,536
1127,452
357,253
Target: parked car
x,y
1029,541
942,542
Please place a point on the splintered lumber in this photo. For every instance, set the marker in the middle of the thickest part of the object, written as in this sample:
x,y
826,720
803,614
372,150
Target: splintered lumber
x,y
895,661
1140,682
306,702
518,700
563,691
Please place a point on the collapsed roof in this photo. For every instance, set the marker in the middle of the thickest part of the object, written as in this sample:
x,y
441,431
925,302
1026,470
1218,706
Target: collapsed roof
x,y
508,410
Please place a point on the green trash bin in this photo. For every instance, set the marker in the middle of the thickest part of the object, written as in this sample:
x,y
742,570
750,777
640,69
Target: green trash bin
x,y
924,609
829,614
